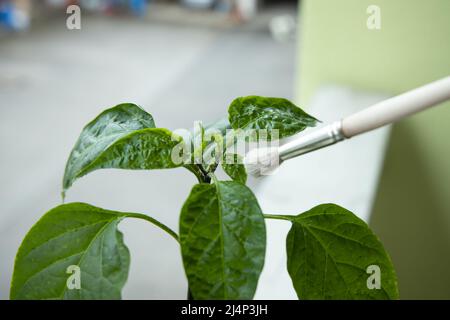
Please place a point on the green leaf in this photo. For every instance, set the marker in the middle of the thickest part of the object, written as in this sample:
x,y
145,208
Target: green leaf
x,y
328,252
235,168
100,133
141,149
74,234
223,240
254,112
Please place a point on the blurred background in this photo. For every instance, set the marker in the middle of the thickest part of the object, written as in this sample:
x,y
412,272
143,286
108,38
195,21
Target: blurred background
x,y
187,60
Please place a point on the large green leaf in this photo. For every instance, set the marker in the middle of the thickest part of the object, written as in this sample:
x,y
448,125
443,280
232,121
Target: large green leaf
x,y
100,133
141,149
74,234
223,240
329,251
254,112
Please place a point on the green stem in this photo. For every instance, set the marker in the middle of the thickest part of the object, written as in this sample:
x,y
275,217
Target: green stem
x,y
205,177
189,295
156,223
207,159
279,217
196,171
213,177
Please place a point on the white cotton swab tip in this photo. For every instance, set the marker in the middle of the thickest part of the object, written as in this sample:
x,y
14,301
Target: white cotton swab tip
x,y
262,161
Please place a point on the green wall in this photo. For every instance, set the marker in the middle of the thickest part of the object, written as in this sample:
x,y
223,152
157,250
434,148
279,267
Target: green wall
x,y
412,210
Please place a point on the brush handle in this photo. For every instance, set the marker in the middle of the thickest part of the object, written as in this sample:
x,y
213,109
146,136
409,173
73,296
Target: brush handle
x,y
396,108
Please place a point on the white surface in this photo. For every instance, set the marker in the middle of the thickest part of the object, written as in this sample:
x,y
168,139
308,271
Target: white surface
x,y
346,174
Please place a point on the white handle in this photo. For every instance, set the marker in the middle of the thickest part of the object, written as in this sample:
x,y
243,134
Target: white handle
x,y
396,108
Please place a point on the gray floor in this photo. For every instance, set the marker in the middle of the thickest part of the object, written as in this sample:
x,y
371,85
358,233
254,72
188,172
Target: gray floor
x,y
53,81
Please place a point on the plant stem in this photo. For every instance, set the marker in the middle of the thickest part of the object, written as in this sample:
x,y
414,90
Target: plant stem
x,y
156,223
196,171
207,179
207,158
189,295
279,217
205,176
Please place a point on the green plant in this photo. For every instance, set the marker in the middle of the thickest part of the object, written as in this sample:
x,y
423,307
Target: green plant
x,y
222,228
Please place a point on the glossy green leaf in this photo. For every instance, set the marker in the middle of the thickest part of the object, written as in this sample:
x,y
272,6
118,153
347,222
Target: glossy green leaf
x,y
80,235
254,112
108,127
223,240
329,251
234,168
141,149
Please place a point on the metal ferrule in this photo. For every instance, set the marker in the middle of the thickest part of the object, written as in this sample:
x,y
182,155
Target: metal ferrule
x,y
320,138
